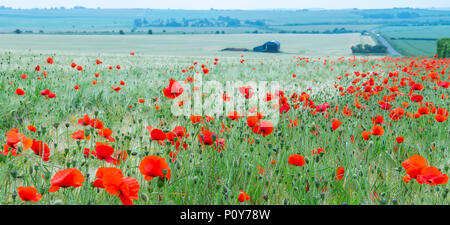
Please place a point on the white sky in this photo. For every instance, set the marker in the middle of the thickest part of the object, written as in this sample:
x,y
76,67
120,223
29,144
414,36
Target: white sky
x,y
228,4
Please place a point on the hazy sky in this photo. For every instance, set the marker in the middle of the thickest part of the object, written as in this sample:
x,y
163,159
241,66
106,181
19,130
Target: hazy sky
x,y
228,4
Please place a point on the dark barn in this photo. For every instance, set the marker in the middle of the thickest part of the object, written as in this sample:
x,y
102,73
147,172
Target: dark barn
x,y
270,46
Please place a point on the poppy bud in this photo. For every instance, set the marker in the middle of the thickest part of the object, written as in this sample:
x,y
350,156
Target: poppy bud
x,y
195,180
285,202
144,197
67,125
14,195
13,174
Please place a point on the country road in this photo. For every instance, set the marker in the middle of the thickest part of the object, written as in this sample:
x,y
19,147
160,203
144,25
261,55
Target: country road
x,y
389,47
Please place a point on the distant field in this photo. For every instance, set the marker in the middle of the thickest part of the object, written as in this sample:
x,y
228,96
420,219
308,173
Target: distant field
x,y
200,21
183,45
415,47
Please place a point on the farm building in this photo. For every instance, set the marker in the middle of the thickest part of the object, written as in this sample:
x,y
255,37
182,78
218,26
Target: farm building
x,y
270,46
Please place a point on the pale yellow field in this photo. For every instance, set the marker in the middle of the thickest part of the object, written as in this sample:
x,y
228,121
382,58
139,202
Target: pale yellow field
x,y
183,45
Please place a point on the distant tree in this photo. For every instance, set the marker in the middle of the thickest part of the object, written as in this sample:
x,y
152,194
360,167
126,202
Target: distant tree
x,y
18,31
150,32
223,32
367,49
41,31
164,31
137,22
217,32
443,48
121,32
407,15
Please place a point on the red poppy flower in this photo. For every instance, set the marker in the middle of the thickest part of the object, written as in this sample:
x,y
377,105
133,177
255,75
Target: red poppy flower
x,y
29,194
377,119
416,98
113,181
206,137
13,138
423,111
246,91
377,130
296,160
97,124
104,152
180,131
399,139
340,173
335,123
71,177
154,166
318,151
432,176
366,135
414,165
32,128
252,121
116,88
263,127
78,135
20,91
41,149
158,135
196,119
50,60
397,113
173,90
45,92
243,196
85,121
440,118
234,115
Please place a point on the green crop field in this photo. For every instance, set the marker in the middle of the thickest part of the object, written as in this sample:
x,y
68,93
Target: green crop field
x,y
411,47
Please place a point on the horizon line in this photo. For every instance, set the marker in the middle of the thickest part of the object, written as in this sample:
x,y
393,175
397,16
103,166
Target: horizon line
x,y
224,9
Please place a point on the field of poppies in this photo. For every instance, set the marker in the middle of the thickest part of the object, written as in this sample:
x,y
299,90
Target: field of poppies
x,y
94,129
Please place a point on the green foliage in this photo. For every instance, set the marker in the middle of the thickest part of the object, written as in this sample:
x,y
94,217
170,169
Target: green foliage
x,y
443,48
367,49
